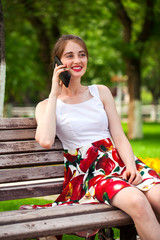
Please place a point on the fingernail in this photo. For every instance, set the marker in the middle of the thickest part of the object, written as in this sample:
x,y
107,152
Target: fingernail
x,y
66,68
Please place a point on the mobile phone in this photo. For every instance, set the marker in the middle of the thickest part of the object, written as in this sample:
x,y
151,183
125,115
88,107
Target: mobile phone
x,y
64,76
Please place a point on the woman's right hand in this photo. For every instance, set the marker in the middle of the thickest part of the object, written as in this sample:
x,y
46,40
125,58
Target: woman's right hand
x,y
56,81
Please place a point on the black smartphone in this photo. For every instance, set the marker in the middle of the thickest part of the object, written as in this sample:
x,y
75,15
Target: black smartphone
x,y
64,76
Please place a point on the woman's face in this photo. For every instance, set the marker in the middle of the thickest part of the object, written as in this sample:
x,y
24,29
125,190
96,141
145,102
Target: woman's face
x,y
75,58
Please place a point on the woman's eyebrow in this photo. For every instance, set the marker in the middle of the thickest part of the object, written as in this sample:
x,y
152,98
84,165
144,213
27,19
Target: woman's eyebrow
x,y
68,53
82,51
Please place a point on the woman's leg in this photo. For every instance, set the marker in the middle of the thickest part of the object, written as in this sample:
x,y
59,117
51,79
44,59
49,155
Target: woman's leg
x,y
132,201
153,196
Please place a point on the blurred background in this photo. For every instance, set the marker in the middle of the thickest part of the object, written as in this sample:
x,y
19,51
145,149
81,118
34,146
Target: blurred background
x,y
123,39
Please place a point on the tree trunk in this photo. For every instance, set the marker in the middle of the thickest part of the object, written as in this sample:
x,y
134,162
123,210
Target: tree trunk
x,y
2,62
155,103
45,40
133,65
134,113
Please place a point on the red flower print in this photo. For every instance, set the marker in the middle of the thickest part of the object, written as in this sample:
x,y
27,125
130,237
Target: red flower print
x,y
77,186
66,193
67,176
71,158
91,156
106,164
93,181
101,188
103,145
117,158
153,173
107,188
139,167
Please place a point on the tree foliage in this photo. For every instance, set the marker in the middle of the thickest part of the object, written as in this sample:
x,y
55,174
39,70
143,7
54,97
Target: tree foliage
x,y
151,69
33,26
31,30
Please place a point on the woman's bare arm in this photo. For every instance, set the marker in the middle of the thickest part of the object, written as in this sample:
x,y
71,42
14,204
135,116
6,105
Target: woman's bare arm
x,y
46,112
120,140
46,122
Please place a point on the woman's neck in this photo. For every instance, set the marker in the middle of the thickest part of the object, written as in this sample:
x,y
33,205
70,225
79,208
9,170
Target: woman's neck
x,y
75,94
75,88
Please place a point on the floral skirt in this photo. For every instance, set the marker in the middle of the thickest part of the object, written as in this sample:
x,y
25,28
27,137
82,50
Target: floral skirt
x,y
93,174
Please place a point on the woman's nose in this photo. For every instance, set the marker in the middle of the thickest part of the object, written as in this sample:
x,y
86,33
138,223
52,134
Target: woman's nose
x,y
76,59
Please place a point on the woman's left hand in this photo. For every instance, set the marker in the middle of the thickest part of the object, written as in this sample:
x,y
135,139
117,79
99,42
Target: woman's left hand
x,y
133,176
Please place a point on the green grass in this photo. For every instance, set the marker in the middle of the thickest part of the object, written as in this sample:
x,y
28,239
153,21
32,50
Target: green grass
x,y
15,204
149,146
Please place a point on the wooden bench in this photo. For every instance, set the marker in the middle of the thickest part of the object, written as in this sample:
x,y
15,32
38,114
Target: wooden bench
x,y
27,171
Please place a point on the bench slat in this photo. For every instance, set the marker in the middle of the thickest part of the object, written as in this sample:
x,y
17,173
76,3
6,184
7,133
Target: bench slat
x,y
10,135
30,215
25,174
31,159
31,190
61,225
25,146
16,123
28,171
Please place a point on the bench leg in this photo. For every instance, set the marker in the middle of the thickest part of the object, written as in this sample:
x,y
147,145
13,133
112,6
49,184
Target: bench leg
x,y
128,232
107,234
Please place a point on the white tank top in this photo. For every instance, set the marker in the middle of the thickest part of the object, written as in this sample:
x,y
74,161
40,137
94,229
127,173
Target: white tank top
x,y
83,123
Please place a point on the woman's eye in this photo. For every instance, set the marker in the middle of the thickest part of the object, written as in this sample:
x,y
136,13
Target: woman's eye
x,y
69,56
82,55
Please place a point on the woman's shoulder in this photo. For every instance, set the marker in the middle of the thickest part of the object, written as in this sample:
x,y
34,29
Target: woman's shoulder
x,y
41,106
42,103
103,90
102,87
105,93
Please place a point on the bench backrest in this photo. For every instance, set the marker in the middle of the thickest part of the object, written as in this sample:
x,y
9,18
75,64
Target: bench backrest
x,y
26,169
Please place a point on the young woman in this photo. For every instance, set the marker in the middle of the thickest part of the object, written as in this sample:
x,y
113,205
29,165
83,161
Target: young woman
x,y
99,163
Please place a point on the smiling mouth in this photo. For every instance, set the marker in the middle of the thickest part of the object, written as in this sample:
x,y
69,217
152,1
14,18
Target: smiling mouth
x,y
77,69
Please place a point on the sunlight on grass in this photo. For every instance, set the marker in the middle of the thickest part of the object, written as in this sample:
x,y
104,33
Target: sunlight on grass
x,y
149,146
15,204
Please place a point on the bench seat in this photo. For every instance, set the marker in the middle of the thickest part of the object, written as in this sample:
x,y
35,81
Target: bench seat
x,y
28,171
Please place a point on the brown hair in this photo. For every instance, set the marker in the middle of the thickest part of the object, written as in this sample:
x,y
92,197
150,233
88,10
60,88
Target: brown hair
x,y
61,43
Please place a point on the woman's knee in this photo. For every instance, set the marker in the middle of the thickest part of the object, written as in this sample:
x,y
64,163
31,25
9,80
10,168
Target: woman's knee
x,y
133,202
139,205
